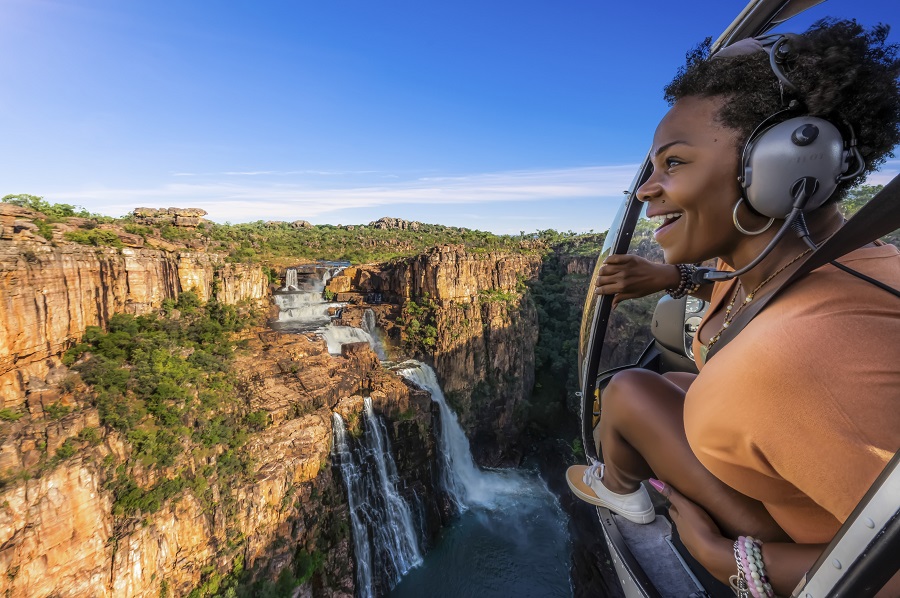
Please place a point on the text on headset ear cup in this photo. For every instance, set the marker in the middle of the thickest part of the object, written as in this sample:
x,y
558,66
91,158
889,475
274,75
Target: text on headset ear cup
x,y
775,159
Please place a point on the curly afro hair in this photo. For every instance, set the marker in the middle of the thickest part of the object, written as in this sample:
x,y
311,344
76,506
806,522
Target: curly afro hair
x,y
842,72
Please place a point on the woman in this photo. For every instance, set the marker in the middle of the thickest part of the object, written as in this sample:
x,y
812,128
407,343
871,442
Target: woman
x,y
784,430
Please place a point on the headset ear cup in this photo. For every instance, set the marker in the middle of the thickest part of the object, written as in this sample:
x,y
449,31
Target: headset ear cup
x,y
779,156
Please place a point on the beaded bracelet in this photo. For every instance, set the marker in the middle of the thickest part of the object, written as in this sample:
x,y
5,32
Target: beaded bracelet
x,y
686,284
750,554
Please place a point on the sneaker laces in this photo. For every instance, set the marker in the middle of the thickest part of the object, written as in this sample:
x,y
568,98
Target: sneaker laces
x,y
591,471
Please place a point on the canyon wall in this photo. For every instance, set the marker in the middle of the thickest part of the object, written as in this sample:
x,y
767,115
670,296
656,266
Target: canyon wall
x,y
485,332
51,291
61,535
62,531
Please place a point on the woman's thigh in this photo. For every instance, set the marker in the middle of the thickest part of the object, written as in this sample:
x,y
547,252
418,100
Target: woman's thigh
x,y
646,411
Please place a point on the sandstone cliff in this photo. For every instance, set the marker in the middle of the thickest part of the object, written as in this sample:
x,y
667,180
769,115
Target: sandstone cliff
x,y
61,531
485,326
61,535
52,291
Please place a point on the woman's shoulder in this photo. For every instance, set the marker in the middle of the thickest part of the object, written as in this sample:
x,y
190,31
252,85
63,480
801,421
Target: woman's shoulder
x,y
830,292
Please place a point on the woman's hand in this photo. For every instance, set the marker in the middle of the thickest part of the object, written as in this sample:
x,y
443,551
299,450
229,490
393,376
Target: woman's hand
x,y
629,277
699,534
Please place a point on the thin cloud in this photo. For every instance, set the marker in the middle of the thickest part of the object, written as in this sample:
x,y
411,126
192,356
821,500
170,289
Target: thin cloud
x,y
267,200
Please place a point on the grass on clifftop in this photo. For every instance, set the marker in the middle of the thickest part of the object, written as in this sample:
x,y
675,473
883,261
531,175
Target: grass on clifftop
x,y
280,243
272,242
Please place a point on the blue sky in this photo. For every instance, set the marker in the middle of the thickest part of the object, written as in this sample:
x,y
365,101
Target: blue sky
x,y
493,114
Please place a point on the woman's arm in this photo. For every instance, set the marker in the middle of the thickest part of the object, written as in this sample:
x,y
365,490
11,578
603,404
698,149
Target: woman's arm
x,y
629,277
785,562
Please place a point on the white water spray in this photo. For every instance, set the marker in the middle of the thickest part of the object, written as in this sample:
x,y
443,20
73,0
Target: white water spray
x,y
290,280
336,336
464,482
385,541
354,484
369,326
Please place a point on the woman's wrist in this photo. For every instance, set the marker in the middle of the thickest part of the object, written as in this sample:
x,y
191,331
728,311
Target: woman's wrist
x,y
672,276
717,556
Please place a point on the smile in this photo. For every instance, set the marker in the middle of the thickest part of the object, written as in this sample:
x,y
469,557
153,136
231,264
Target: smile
x,y
665,219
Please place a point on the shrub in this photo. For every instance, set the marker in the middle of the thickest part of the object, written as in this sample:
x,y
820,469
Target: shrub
x,y
44,229
90,435
66,450
57,410
94,237
10,415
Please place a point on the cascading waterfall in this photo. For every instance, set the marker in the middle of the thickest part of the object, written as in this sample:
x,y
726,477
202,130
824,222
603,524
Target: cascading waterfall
x,y
386,545
303,308
290,280
352,476
465,484
306,311
511,536
369,326
336,336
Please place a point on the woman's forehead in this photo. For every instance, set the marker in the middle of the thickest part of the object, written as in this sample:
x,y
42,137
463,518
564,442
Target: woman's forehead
x,y
695,121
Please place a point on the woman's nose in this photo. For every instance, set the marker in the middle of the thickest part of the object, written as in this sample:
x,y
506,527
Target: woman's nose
x,y
648,190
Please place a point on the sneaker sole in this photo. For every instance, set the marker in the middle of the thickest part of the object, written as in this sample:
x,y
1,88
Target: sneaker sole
x,y
579,489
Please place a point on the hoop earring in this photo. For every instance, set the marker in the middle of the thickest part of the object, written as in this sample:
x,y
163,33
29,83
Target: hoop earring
x,y
737,225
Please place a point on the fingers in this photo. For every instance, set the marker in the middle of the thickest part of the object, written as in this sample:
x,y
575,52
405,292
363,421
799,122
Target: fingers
x,y
619,259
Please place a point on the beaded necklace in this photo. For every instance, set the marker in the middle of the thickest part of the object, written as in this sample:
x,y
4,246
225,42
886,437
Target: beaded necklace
x,y
729,316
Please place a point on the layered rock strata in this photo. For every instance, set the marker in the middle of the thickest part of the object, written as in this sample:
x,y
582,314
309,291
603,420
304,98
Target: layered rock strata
x,y
60,534
486,329
51,292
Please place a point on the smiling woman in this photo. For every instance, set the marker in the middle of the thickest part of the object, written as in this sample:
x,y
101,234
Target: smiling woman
x,y
774,440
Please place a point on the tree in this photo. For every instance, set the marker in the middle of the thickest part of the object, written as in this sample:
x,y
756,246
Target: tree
x,y
857,197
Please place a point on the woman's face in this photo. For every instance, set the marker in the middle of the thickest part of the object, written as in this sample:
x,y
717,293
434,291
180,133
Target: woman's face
x,y
694,187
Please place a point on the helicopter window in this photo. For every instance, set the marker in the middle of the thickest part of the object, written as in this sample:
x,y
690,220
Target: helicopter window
x,y
629,333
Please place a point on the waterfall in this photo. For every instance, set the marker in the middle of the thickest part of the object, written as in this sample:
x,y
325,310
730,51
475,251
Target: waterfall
x,y
465,484
336,336
368,325
353,481
385,541
290,280
303,307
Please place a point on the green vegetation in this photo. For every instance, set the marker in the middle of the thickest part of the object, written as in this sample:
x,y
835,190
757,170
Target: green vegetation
x,y
498,296
238,583
44,229
98,238
57,410
55,211
419,326
10,415
166,385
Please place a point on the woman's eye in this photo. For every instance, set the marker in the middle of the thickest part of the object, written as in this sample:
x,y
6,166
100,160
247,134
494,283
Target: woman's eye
x,y
670,162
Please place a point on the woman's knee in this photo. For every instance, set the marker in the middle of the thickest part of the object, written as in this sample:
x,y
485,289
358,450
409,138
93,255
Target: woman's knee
x,y
630,390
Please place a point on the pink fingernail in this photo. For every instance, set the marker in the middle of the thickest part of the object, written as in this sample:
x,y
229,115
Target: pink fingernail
x,y
659,486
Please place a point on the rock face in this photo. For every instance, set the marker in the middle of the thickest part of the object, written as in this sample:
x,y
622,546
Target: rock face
x,y
184,217
486,329
395,223
59,534
49,295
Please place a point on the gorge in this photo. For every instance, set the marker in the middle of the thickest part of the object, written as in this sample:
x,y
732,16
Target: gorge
x,y
225,482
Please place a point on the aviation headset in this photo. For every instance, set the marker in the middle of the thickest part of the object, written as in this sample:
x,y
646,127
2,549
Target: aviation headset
x,y
789,165
801,157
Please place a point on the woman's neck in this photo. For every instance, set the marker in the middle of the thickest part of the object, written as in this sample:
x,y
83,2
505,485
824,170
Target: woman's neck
x,y
822,223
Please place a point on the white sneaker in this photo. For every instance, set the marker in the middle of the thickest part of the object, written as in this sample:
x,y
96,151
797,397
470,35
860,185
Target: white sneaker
x,y
585,482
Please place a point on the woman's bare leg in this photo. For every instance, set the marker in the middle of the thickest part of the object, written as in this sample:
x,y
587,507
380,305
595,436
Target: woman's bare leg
x,y
641,434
